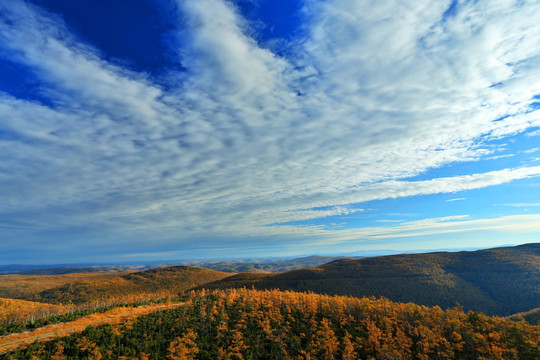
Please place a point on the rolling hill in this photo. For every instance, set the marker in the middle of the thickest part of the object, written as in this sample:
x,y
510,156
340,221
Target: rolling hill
x,y
136,285
500,281
17,286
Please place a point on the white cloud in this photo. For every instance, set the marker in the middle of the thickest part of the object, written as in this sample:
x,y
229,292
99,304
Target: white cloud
x,y
513,223
517,224
523,204
73,71
371,94
456,199
220,55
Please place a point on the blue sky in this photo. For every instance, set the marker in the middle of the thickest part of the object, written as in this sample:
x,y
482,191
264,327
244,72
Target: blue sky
x,y
177,129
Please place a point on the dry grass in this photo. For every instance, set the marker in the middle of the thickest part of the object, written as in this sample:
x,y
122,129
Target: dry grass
x,y
26,286
13,310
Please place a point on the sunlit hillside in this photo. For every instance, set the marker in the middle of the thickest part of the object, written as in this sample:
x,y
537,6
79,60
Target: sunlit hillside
x,y
149,284
13,310
250,324
26,286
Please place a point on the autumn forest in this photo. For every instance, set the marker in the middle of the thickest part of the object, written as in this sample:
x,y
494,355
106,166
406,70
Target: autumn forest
x,y
185,312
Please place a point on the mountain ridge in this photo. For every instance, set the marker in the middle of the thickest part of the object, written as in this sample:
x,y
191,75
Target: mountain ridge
x,y
499,281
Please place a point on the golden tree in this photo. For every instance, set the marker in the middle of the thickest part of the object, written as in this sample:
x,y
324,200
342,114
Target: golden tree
x,y
183,348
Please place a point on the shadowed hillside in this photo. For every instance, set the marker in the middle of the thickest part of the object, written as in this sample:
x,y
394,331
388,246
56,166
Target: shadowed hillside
x,y
500,281
151,283
531,316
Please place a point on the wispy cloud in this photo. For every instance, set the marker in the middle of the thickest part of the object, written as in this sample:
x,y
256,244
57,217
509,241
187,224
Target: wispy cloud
x,y
437,226
368,94
523,204
456,199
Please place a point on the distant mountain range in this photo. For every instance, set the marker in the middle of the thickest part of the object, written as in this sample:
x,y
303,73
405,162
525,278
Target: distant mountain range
x,y
68,269
261,265
239,265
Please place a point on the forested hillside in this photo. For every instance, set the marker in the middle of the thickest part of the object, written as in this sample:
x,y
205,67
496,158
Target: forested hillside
x,y
17,286
13,310
531,316
500,281
141,285
250,324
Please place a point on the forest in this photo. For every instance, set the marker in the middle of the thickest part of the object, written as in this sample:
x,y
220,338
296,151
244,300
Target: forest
x,y
272,324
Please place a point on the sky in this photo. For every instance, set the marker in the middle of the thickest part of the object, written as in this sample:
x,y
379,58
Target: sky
x,y
153,130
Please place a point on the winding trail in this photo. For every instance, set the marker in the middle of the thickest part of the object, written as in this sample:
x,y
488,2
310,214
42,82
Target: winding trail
x,y
48,332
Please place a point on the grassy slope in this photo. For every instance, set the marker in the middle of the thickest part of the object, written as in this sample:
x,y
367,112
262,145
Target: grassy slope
x,y
25,286
170,280
499,281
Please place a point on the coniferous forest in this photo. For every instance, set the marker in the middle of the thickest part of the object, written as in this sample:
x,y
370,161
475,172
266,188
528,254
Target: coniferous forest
x,y
272,324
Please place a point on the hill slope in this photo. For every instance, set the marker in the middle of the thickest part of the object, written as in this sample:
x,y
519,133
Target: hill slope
x,y
133,286
14,310
17,286
531,316
500,281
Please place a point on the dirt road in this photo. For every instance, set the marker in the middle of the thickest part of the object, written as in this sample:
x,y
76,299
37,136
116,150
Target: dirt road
x,y
114,316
